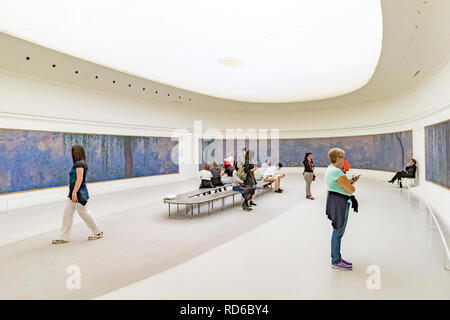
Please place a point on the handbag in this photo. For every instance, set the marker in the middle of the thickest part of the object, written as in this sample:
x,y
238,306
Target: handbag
x,y
314,177
81,199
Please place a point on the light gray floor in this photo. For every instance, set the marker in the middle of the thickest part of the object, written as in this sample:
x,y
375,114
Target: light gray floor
x,y
288,257
279,251
139,241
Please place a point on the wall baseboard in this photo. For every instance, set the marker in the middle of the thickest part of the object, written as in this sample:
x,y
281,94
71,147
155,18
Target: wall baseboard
x,y
12,202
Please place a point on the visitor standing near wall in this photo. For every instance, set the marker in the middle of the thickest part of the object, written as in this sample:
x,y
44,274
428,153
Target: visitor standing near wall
x,y
241,155
346,166
78,198
339,198
308,174
229,159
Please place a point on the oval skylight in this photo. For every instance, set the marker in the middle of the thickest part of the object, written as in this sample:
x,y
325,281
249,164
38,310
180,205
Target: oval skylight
x,y
257,51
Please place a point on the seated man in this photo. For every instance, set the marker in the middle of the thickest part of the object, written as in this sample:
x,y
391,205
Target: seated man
x,y
272,174
266,165
259,174
410,172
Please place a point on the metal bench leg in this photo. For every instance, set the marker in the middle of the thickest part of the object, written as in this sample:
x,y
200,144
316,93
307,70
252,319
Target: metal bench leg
x,y
169,209
209,207
198,209
192,210
223,203
178,208
233,200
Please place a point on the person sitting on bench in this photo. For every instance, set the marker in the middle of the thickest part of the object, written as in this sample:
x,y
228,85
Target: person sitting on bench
x,y
238,184
205,177
216,175
249,179
272,174
410,172
227,175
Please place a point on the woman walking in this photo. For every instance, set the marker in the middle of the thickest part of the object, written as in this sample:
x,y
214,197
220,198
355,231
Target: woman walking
x,y
339,197
308,174
78,198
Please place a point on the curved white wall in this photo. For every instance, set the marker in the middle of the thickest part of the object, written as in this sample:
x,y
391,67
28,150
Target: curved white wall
x,y
27,103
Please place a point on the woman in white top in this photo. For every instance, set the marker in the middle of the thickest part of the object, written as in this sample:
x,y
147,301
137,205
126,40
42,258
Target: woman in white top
x,y
272,174
205,177
227,175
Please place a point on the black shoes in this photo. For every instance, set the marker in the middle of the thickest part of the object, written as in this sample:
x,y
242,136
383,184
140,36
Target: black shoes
x,y
279,191
252,203
391,181
245,207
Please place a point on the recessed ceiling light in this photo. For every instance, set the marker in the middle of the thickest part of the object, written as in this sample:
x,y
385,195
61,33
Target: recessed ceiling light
x,y
230,62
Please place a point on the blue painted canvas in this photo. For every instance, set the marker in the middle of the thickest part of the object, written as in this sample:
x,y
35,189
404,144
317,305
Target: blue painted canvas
x,y
437,153
386,152
37,159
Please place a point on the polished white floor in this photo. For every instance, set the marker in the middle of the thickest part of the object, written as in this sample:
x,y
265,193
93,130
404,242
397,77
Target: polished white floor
x,y
281,250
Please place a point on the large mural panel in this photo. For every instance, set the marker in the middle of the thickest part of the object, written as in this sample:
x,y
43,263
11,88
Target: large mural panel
x,y
38,159
386,152
437,153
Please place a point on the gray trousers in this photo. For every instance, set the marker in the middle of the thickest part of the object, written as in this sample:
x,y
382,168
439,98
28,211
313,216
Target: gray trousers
x,y
308,179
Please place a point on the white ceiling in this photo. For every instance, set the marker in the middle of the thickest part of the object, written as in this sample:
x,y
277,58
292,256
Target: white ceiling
x,y
416,41
253,51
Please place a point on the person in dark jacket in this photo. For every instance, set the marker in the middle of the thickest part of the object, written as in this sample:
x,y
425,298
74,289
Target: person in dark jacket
x,y
308,173
410,172
250,181
340,190
216,175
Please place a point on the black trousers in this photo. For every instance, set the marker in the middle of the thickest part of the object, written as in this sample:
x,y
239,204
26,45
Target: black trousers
x,y
249,192
216,181
401,174
206,184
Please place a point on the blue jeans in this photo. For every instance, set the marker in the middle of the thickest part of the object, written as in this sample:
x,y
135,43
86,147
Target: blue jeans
x,y
336,239
240,189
